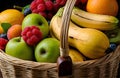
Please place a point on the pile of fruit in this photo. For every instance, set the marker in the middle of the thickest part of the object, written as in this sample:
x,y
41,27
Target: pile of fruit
x,y
33,33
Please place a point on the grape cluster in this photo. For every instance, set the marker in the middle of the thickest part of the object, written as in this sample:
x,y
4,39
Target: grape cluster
x,y
48,8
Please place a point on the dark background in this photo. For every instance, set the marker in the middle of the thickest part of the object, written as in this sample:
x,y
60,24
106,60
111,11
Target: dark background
x,y
119,9
5,4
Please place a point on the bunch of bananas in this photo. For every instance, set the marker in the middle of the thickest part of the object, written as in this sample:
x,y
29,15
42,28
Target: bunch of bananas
x,y
90,20
86,31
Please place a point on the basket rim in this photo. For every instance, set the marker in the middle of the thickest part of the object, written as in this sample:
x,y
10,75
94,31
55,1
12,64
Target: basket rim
x,y
33,64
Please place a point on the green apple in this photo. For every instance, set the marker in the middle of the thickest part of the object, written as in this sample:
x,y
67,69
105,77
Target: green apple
x,y
47,50
18,48
36,20
114,35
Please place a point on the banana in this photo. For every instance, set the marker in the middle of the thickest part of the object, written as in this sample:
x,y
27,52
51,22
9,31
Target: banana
x,y
90,20
76,56
90,42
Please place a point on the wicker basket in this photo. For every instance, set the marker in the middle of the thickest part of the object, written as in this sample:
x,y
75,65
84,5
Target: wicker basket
x,y
105,67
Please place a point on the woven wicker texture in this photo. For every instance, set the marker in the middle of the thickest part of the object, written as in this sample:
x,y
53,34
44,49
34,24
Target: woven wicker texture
x,y
105,67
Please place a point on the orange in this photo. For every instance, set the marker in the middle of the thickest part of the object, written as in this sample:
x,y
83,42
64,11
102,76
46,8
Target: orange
x,y
1,30
12,16
14,31
106,7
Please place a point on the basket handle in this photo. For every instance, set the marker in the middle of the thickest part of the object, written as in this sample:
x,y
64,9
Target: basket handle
x,y
64,62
